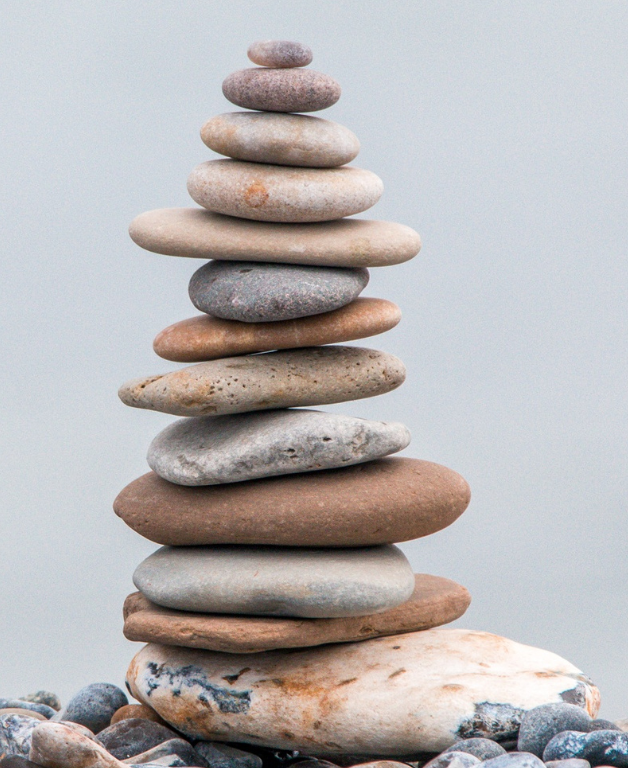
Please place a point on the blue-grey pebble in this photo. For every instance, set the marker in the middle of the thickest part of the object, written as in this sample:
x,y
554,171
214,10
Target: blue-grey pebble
x,y
254,292
134,736
542,723
514,760
606,748
182,752
483,749
15,734
41,709
44,697
94,706
572,762
223,756
453,760
603,725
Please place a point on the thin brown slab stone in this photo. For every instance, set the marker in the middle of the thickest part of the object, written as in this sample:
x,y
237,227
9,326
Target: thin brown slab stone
x,y
209,338
378,502
435,601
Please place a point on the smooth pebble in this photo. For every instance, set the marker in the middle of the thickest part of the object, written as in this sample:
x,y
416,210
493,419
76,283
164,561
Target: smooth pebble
x,y
483,749
224,756
127,738
279,53
541,724
451,759
94,706
281,90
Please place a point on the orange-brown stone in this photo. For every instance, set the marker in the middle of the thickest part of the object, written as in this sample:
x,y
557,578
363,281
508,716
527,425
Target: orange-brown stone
x,y
435,601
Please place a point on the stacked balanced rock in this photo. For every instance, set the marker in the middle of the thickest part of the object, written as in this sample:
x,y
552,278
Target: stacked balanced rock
x,y
280,613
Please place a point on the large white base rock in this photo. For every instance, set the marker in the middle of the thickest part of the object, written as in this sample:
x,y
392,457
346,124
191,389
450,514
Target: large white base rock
x,y
399,695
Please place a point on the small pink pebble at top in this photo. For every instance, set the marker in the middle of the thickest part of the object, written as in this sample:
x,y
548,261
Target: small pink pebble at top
x,y
279,53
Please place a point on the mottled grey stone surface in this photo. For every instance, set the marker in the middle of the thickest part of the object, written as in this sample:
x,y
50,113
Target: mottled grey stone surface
x,y
453,759
279,53
133,736
257,293
281,90
277,581
541,724
208,450
223,756
41,709
483,749
175,752
93,706
43,697
15,734
280,138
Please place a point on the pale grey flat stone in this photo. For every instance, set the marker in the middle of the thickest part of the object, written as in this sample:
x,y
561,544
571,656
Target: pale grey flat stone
x,y
208,450
281,139
279,53
257,293
277,581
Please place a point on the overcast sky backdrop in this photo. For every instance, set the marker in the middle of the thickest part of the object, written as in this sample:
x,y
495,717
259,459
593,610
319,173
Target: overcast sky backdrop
x,y
499,129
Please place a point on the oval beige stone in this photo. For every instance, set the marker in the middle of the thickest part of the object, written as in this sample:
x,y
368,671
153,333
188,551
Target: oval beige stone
x,y
279,53
208,338
400,695
435,601
309,376
282,139
197,233
283,194
380,502
281,90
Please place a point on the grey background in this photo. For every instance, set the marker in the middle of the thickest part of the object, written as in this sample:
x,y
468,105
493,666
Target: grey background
x,y
499,129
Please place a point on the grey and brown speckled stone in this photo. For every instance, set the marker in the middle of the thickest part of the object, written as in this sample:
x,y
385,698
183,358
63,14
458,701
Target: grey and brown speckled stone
x,y
418,692
15,734
279,53
199,234
204,338
255,293
56,745
279,193
435,601
281,139
210,450
281,90
380,502
285,379
277,581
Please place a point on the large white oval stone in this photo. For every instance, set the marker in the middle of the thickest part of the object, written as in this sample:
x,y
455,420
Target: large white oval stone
x,y
400,695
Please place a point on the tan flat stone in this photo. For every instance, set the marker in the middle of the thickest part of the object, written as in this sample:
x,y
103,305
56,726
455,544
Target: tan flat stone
x,y
279,193
134,711
197,233
435,601
285,379
209,338
379,502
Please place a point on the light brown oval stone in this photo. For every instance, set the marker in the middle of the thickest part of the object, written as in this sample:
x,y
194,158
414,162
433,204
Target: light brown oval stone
x,y
405,694
272,137
291,378
283,194
281,90
133,711
208,338
279,53
199,234
380,502
435,601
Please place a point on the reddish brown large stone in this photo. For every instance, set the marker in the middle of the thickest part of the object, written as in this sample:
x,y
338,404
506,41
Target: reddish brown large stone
x,y
379,502
435,601
209,338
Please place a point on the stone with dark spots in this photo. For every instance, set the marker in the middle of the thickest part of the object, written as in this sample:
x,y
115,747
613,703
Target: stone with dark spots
x,y
32,706
15,734
483,749
573,762
598,747
514,760
134,736
541,724
43,697
499,721
173,748
279,53
220,755
281,90
453,759
94,706
256,292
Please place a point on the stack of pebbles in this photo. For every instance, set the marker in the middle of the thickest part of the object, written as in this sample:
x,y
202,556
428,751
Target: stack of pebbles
x,y
278,521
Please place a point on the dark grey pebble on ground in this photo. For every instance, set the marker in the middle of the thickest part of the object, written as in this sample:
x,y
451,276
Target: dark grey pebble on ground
x,y
41,709
223,756
598,747
94,706
541,724
130,737
176,748
483,749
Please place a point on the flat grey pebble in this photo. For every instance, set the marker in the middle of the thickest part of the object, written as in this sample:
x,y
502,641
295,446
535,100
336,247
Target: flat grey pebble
x,y
452,759
172,752
134,736
94,706
279,53
41,709
15,734
483,749
540,724
223,756
256,292
44,697
573,762
209,450
514,760
281,90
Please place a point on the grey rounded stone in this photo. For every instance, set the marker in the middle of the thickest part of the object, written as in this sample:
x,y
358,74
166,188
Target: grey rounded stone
x,y
279,53
573,762
282,194
451,758
281,139
209,450
514,760
44,697
483,749
94,706
541,724
281,90
134,736
277,581
32,706
220,755
258,293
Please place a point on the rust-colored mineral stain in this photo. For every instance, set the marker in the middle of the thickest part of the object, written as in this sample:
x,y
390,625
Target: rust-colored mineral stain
x,y
256,194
